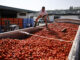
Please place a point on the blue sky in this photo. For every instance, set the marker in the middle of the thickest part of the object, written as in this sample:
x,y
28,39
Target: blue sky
x,y
37,4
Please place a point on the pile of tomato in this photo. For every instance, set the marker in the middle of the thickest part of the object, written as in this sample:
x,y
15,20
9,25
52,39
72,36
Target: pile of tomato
x,y
38,48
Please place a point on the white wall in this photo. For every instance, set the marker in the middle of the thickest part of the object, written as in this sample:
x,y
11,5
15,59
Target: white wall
x,y
31,14
34,18
18,16
28,15
51,17
69,17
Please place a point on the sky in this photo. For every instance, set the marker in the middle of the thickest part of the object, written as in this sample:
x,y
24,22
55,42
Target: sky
x,y
36,5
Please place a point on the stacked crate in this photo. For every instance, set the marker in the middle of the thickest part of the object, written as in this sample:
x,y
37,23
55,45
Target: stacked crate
x,y
3,21
20,21
16,21
28,22
32,22
11,20
23,23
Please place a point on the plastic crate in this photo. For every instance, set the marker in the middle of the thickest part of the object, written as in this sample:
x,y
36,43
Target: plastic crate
x,y
31,22
25,20
20,20
3,20
24,26
28,22
11,20
16,21
21,25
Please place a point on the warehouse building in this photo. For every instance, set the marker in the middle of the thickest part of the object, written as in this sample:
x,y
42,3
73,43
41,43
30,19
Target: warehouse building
x,y
15,18
10,12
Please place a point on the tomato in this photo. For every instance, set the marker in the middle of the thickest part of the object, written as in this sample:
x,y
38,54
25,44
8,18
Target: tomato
x,y
38,48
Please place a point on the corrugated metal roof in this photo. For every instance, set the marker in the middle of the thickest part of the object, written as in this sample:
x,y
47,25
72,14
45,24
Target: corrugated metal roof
x,y
16,9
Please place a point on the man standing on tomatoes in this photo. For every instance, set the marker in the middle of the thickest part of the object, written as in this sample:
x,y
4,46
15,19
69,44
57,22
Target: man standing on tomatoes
x,y
42,14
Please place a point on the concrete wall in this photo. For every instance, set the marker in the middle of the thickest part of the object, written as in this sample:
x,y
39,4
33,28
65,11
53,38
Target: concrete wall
x,y
69,17
74,53
28,15
68,20
19,16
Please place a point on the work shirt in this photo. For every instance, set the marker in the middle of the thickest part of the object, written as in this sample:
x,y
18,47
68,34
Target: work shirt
x,y
42,13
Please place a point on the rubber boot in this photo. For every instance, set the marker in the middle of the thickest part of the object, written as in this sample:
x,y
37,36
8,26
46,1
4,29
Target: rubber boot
x,y
35,24
47,27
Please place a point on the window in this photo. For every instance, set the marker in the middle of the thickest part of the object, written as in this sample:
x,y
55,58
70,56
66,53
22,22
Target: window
x,y
22,14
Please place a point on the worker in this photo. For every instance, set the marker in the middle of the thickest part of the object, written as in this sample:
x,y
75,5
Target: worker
x,y
42,14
